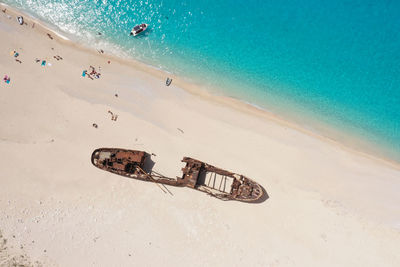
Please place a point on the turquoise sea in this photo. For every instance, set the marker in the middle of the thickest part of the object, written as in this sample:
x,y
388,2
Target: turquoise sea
x,y
331,66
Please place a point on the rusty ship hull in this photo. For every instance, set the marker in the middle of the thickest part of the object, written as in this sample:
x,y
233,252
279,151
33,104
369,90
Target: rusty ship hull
x,y
197,175
220,183
119,161
129,163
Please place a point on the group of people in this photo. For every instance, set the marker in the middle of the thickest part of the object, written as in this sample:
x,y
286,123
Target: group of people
x,y
114,117
15,54
92,73
43,62
58,57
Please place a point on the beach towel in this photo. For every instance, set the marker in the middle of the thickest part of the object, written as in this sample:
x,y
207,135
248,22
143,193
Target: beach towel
x,y
44,63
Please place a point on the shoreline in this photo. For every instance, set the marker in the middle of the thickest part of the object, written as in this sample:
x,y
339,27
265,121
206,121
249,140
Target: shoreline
x,y
366,149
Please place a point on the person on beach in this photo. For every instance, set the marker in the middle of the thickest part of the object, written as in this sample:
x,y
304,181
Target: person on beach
x,y
86,74
6,79
16,54
93,70
114,117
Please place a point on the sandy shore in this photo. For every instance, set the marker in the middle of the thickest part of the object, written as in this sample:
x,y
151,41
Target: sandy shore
x,y
327,206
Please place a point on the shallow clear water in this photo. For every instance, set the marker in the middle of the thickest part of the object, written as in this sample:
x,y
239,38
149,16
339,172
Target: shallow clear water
x,y
325,65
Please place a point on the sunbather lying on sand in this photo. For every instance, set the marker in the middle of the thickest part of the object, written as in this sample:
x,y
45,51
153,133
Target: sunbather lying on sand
x,y
114,117
93,70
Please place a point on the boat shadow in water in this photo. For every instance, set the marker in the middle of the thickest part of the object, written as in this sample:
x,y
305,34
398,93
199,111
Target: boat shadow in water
x,y
143,34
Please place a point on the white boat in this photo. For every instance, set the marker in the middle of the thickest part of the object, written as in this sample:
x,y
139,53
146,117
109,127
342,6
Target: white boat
x,y
168,81
20,20
138,29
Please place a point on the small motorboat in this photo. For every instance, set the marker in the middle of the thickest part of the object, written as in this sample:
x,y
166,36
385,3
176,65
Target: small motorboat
x,y
168,81
197,175
20,20
138,29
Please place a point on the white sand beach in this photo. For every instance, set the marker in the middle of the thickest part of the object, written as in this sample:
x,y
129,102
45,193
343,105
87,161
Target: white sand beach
x,y
327,205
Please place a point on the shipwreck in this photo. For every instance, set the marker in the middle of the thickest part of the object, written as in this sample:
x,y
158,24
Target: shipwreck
x,y
197,175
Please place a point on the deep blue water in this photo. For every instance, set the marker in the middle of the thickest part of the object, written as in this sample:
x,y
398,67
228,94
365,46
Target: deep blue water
x,y
324,64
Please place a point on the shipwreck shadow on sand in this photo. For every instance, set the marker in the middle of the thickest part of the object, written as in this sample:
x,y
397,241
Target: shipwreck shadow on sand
x,y
264,197
149,165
